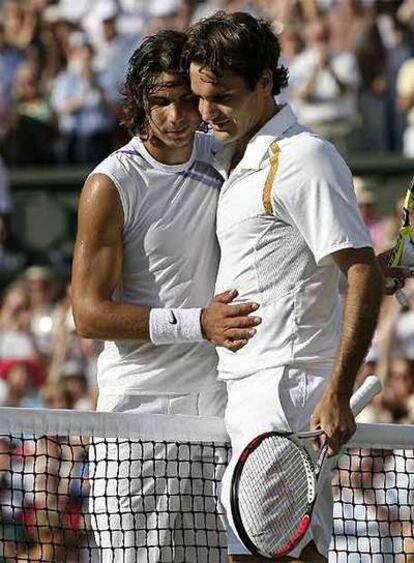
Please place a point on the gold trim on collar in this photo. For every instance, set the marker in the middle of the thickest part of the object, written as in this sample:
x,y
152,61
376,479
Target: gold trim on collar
x,y
274,165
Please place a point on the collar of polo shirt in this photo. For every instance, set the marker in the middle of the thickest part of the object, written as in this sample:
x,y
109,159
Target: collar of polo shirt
x,y
259,146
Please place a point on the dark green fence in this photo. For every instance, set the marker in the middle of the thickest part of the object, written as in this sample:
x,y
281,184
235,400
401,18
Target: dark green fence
x,y
45,200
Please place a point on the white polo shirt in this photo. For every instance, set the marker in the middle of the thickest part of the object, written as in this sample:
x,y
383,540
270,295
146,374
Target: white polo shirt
x,y
278,224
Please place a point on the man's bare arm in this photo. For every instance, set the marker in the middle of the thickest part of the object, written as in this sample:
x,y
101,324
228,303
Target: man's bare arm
x,y
97,269
362,303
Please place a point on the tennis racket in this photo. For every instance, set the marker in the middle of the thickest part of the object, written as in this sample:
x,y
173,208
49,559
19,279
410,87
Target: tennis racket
x,y
403,251
274,485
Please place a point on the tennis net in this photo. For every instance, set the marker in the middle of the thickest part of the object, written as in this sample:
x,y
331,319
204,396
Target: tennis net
x,y
122,487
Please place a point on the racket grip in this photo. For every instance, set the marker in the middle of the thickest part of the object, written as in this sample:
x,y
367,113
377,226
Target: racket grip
x,y
362,396
402,299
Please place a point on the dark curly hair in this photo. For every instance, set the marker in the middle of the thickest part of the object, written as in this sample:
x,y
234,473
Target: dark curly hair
x,y
157,54
238,43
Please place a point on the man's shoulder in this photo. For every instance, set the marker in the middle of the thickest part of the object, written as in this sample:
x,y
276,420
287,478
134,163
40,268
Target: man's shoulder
x,y
305,153
123,163
300,141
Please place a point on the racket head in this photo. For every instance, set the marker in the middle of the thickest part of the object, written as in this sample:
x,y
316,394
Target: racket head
x,y
405,233
273,491
408,205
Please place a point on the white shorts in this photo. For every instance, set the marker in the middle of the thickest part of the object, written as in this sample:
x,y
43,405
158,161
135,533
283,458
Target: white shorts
x,y
281,399
139,519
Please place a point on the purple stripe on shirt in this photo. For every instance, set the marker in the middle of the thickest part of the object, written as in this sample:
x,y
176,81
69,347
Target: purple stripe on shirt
x,y
133,153
205,179
211,182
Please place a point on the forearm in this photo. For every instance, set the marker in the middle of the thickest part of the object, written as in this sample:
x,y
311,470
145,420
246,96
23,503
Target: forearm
x,y
108,320
362,304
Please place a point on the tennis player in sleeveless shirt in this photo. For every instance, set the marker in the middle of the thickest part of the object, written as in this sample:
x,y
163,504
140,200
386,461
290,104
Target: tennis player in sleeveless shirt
x,y
143,276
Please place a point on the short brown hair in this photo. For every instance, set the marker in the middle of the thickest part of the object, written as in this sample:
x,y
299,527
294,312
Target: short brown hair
x,y
238,43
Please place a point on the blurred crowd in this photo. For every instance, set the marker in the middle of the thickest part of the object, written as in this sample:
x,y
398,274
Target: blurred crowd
x,y
43,363
62,64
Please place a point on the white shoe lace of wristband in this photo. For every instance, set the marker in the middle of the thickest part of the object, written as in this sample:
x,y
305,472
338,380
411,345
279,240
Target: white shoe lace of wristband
x,y
174,326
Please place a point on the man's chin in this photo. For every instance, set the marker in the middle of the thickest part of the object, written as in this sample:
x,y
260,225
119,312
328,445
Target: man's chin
x,y
179,142
182,143
223,136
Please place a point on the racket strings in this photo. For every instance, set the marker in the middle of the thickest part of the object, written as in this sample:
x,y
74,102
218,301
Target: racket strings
x,y
275,492
408,205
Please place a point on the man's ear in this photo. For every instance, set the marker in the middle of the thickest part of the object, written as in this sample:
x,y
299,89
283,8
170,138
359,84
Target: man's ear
x,y
266,81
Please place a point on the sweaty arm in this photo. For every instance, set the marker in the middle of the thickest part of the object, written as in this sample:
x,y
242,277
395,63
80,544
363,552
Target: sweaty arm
x,y
97,270
362,303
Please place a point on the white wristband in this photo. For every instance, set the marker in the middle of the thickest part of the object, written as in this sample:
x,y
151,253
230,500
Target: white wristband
x,y
174,326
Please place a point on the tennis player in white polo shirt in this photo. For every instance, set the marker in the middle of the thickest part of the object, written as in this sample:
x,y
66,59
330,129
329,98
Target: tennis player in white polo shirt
x,y
288,224
144,270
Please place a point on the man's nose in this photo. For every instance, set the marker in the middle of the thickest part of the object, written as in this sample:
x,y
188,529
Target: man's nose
x,y
207,109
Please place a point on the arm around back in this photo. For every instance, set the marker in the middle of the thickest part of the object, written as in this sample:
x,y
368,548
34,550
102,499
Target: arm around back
x,y
97,269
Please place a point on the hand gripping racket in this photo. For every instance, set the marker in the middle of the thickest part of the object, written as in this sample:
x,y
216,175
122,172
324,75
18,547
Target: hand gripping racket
x,y
274,485
403,251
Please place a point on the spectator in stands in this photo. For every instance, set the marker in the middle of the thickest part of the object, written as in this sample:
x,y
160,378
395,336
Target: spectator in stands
x,y
10,59
19,23
16,339
405,92
354,28
5,199
85,117
208,8
325,94
32,118
22,388
58,29
404,326
399,390
112,55
406,13
398,51
394,368
56,396
13,258
74,378
366,199
42,286
291,44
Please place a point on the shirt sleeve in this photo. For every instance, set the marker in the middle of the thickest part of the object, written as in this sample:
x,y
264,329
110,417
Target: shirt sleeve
x,y
317,196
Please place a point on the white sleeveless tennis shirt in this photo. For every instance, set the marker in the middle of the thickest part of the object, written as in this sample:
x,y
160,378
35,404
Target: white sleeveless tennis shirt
x,y
170,260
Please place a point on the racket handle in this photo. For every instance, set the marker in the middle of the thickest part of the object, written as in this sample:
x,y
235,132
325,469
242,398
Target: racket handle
x,y
362,396
402,299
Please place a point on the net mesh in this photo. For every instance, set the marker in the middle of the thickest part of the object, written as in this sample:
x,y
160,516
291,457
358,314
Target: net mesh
x,y
374,506
146,495
143,488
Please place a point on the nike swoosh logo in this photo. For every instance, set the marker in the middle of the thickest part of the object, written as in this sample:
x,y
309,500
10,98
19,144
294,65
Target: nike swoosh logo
x,y
173,320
